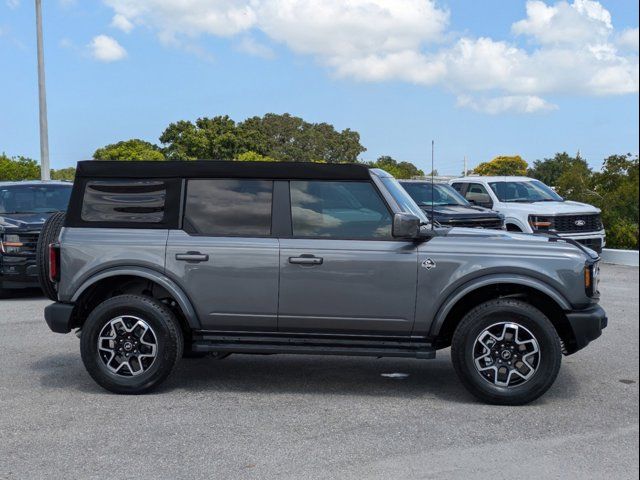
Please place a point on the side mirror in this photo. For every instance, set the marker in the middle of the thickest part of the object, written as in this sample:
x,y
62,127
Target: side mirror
x,y
405,225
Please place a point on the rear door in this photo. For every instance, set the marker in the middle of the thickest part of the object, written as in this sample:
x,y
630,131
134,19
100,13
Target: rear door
x,y
341,271
225,257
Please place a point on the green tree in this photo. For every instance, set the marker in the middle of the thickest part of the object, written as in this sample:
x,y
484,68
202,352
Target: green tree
x,y
129,150
395,168
291,139
503,165
18,168
253,157
550,170
216,138
67,174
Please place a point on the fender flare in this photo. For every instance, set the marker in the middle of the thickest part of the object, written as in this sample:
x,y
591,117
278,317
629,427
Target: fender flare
x,y
524,228
178,294
495,279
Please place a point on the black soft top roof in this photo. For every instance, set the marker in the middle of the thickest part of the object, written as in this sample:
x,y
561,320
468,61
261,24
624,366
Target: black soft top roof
x,y
221,169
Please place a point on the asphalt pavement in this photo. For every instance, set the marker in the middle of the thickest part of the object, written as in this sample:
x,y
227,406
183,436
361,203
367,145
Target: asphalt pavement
x,y
290,417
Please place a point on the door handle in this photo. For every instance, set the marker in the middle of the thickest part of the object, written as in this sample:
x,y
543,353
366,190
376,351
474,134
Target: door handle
x,y
306,260
192,257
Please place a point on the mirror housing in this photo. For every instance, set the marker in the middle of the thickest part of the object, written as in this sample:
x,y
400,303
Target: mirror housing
x,y
406,225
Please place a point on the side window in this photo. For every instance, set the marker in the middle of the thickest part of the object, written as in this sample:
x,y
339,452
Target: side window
x,y
476,193
124,201
221,207
335,209
458,187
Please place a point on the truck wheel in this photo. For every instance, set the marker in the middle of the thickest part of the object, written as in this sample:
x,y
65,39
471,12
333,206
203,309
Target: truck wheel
x,y
506,352
130,343
48,235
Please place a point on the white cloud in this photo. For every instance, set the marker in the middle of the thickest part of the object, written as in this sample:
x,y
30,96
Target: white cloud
x,y
558,48
106,49
257,49
122,23
629,39
510,103
13,3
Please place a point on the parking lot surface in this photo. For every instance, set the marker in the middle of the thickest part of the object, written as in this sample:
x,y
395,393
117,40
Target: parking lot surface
x,y
315,417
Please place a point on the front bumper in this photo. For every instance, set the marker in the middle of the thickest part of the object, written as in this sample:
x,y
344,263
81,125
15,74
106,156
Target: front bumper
x,y
59,317
594,240
587,325
18,271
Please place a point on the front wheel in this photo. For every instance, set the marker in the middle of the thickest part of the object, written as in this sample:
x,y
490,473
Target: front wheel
x,y
506,352
130,343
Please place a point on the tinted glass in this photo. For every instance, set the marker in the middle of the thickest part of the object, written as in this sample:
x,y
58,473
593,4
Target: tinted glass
x,y
458,187
524,192
34,198
423,194
338,210
229,207
404,200
124,201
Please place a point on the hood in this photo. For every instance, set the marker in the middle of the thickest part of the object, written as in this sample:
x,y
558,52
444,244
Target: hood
x,y
462,211
23,221
510,238
553,208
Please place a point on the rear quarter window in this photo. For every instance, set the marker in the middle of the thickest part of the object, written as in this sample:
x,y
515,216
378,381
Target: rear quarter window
x,y
127,203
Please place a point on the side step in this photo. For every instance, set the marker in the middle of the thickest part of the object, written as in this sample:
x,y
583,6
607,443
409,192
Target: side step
x,y
268,343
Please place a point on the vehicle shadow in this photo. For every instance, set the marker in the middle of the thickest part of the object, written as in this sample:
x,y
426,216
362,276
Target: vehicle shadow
x,y
21,294
302,375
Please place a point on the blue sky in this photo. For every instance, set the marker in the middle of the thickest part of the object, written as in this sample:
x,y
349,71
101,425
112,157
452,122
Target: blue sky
x,y
481,78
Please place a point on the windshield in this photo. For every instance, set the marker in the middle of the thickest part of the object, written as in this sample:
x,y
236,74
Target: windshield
x,y
400,195
524,192
442,194
34,198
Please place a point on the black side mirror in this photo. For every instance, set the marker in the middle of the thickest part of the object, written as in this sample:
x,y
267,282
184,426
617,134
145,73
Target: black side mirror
x,y
406,225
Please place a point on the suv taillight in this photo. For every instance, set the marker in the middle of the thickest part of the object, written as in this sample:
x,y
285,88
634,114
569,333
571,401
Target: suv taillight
x,y
54,262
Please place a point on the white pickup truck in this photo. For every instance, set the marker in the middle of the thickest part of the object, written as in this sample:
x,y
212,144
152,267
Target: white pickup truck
x,y
530,206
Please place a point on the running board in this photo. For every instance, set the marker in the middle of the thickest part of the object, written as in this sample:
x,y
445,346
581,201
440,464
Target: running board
x,y
267,343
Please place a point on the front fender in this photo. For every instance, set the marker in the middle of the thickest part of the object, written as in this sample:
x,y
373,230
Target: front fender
x,y
488,280
176,292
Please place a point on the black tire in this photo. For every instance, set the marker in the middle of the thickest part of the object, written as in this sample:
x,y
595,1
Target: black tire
x,y
524,315
49,234
164,326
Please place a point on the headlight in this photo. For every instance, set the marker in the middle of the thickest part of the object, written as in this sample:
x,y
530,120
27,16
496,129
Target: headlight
x,y
10,244
540,223
592,279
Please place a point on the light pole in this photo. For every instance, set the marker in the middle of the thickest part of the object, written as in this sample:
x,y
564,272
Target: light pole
x,y
45,173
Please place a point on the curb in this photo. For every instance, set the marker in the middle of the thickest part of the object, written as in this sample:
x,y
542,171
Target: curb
x,y
620,257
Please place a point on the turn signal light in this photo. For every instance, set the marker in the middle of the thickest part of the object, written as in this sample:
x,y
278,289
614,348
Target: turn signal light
x,y
54,262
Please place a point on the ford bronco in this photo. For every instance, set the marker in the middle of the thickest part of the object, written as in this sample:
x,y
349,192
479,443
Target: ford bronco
x,y
159,260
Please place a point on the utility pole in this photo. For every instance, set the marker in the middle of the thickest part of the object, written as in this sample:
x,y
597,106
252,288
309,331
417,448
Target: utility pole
x,y
464,174
45,173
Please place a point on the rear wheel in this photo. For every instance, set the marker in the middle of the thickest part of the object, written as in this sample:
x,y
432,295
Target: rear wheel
x,y
48,235
130,343
506,352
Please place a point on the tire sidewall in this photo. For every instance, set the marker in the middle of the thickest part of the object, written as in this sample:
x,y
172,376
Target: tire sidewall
x,y
548,343
168,346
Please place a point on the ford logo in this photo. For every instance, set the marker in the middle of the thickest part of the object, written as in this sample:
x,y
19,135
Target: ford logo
x,y
580,223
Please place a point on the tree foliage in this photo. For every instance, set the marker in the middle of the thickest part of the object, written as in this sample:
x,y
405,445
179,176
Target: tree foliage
x,y
395,168
284,138
23,168
550,170
503,165
133,149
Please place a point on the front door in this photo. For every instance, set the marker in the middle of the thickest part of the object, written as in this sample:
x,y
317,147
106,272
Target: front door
x,y
342,272
224,257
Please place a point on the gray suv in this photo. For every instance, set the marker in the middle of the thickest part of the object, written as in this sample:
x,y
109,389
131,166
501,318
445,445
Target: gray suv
x,y
156,261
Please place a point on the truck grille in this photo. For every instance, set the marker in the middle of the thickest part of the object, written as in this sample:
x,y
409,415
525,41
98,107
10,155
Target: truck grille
x,y
29,242
576,223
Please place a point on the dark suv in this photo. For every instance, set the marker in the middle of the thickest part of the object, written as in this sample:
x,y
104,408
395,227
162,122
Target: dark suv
x,y
157,259
449,208
24,207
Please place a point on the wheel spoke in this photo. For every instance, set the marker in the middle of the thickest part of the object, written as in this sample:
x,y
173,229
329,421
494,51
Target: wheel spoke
x,y
506,354
128,344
